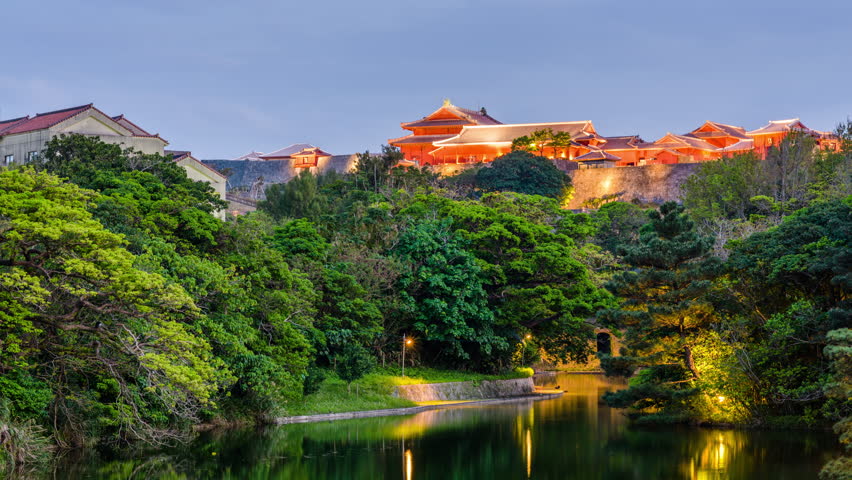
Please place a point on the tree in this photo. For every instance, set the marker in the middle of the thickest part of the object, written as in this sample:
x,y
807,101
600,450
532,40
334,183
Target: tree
x,y
301,197
372,171
107,338
541,140
786,289
534,280
839,351
618,225
725,188
443,293
352,363
664,312
523,172
141,195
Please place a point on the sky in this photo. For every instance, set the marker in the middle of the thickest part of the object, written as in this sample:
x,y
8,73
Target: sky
x,y
222,78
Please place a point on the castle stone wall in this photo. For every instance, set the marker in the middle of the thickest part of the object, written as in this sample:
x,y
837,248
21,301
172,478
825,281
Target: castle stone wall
x,y
649,183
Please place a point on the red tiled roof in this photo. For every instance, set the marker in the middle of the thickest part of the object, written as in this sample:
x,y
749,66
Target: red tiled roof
x,y
135,129
7,124
597,155
46,120
683,140
729,130
436,123
782,126
473,117
418,139
178,155
627,142
740,146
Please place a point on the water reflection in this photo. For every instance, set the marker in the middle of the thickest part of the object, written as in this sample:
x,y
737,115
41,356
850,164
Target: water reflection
x,y
571,437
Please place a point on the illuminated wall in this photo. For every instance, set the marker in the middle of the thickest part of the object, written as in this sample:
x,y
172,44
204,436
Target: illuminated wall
x,y
650,183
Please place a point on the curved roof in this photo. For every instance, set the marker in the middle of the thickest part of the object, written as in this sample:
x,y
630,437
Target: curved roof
x,y
455,115
287,151
598,155
504,134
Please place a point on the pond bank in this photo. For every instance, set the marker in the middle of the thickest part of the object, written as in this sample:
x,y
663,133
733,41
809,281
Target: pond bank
x,y
323,417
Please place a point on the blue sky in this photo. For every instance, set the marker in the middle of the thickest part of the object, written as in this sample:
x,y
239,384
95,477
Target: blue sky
x,y
222,77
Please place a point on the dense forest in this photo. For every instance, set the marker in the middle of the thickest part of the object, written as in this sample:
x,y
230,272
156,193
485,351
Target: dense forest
x,y
129,313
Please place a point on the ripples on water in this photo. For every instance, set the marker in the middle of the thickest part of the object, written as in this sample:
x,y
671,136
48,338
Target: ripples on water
x,y
573,437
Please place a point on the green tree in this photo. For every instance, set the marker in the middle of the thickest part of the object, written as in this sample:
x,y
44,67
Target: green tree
x,y
141,195
664,313
109,339
443,293
534,280
541,140
352,363
725,188
839,351
523,172
786,288
301,197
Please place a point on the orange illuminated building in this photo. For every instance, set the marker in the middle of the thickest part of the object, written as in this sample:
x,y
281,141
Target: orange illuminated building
x,y
453,135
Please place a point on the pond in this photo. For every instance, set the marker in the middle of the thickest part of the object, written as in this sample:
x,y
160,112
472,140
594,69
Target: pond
x,y
569,437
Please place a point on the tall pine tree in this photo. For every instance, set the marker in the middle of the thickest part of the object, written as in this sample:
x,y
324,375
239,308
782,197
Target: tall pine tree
x,y
663,314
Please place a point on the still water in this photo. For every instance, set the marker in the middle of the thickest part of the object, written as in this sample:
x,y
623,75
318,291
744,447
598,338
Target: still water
x,y
572,437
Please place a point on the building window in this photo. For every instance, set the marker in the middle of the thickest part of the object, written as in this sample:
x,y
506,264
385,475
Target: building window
x,y
31,156
9,159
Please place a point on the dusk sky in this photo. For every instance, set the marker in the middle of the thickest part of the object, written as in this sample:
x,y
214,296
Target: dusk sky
x,y
222,78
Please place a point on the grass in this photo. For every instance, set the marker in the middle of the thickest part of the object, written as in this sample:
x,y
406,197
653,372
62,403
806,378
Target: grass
x,y
374,391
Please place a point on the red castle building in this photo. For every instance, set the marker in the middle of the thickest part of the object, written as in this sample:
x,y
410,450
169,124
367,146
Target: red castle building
x,y
454,135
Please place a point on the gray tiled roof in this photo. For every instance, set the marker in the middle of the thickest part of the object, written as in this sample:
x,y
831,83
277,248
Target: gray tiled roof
x,y
287,151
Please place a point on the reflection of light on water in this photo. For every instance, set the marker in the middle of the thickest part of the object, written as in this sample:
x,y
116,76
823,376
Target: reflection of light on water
x,y
713,459
408,465
528,451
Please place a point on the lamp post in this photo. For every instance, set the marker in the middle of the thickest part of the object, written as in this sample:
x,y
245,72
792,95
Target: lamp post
x,y
405,341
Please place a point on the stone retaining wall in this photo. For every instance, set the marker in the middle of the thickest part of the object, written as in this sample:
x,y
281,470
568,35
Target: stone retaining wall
x,y
429,392
647,184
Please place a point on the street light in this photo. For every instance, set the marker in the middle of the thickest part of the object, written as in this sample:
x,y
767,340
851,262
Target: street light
x,y
405,342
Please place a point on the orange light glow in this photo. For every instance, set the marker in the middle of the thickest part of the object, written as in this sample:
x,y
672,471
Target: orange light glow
x,y
409,465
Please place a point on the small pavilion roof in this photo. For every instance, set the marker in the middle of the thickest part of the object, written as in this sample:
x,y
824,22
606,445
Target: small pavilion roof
x,y
287,151
598,155
250,156
504,134
310,152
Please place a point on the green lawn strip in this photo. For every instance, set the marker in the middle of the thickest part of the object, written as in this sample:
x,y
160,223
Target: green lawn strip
x,y
374,391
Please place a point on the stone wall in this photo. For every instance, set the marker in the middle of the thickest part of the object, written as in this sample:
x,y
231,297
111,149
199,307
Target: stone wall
x,y
649,183
429,392
243,173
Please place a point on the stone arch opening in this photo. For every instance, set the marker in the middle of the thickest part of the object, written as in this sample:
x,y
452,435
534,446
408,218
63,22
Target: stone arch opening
x,y
604,343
